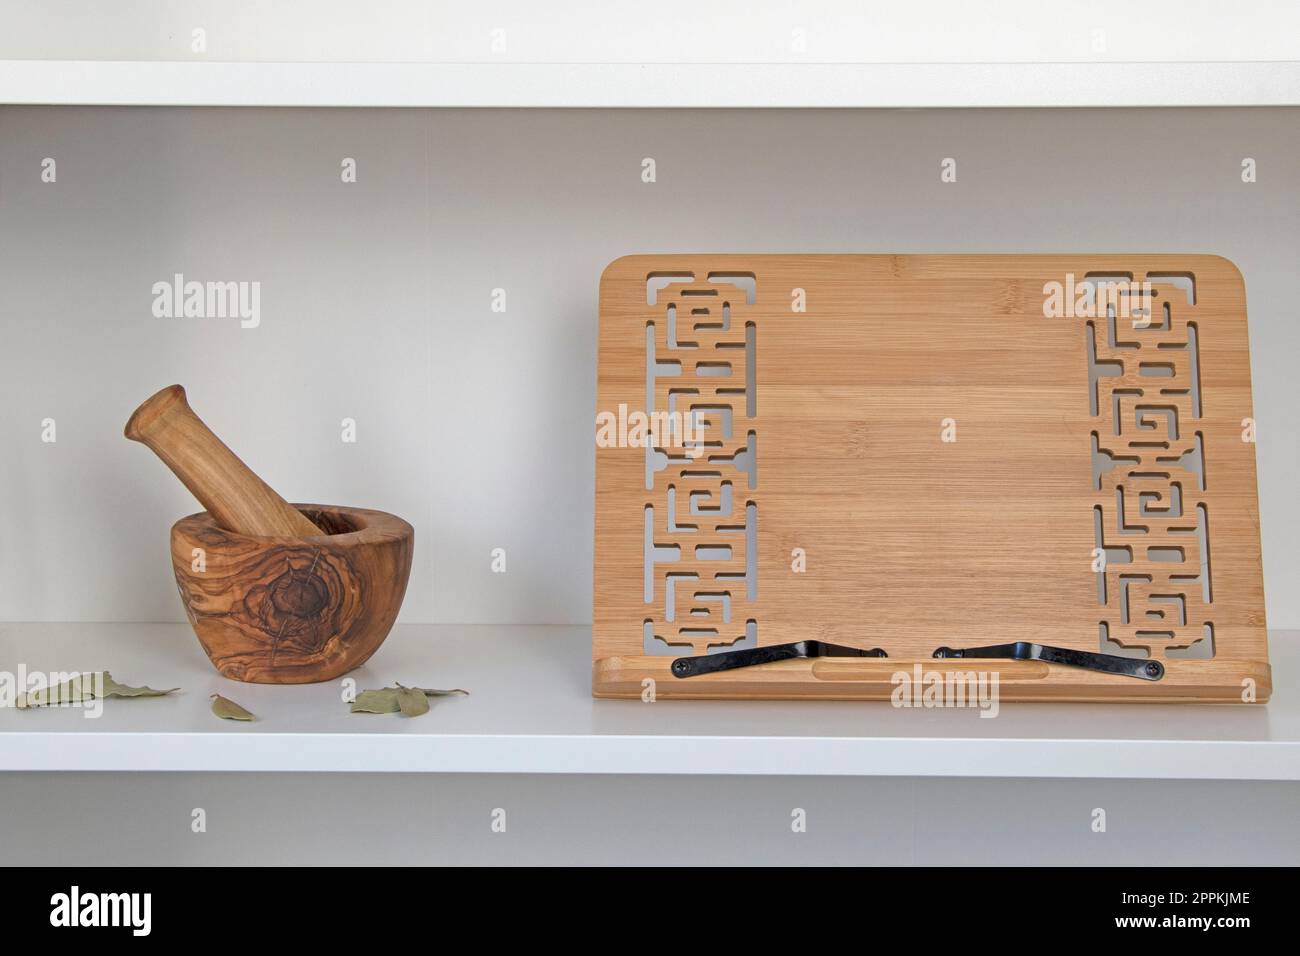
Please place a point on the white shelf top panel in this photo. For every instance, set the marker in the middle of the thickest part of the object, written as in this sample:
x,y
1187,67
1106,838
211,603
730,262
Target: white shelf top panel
x,y
530,711
674,53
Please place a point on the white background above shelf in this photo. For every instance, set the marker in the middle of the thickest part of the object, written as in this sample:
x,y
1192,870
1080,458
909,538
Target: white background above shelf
x,y
530,711
676,53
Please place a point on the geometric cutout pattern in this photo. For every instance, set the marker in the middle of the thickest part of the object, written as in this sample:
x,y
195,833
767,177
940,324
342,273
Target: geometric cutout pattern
x,y
701,508
1149,467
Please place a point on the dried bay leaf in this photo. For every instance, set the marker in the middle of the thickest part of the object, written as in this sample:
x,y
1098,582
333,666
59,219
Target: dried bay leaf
x,y
409,701
227,709
86,686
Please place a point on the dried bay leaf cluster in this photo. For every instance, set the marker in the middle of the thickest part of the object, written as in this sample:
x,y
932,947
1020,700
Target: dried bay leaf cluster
x,y
408,701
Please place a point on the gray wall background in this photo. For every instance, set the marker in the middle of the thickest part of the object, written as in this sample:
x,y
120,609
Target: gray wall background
x,y
477,426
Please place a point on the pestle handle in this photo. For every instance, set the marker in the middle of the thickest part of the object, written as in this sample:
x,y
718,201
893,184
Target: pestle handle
x,y
237,499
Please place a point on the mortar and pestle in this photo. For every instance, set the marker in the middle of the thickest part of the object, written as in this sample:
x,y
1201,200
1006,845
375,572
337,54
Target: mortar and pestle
x,y
277,593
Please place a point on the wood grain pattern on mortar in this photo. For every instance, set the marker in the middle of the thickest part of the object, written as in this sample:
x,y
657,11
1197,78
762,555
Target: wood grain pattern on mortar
x,y
822,430
294,610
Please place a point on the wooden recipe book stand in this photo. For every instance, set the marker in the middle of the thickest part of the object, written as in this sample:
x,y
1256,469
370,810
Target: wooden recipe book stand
x,y
1042,464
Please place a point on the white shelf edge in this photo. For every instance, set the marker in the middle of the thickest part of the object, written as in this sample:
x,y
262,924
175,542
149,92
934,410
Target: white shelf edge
x,y
505,84
642,754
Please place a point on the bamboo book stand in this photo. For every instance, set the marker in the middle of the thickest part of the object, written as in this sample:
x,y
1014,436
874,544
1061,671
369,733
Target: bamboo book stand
x,y
898,454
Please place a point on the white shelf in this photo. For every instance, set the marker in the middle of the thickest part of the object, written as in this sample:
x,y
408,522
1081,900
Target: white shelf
x,y
530,711
680,53
911,85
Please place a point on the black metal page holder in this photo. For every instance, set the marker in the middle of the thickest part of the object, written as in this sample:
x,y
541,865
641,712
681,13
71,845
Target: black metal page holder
x,y
1028,651
1017,651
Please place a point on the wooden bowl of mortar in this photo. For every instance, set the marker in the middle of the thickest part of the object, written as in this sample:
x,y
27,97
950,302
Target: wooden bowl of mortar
x,y
292,610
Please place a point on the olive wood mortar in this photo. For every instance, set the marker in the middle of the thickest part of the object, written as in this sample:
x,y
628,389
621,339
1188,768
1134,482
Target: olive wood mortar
x,y
277,593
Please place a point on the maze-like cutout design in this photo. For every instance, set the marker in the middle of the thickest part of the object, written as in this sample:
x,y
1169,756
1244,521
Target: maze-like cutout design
x,y
701,512
1151,520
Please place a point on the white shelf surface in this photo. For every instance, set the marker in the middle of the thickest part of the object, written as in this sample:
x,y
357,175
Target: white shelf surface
x,y
530,711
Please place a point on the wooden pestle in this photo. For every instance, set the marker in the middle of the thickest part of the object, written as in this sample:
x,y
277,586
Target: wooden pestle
x,y
237,499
